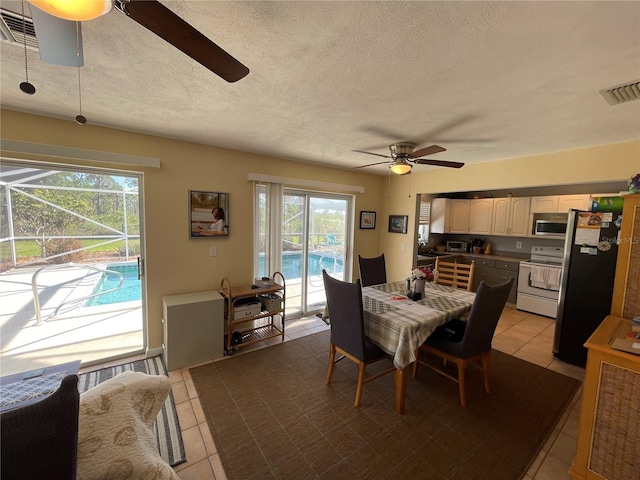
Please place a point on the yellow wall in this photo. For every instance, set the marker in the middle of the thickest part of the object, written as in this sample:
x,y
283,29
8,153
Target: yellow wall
x,y
607,163
177,264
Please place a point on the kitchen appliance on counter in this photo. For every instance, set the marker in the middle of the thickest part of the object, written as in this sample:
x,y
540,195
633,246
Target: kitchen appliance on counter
x,y
539,281
586,291
457,246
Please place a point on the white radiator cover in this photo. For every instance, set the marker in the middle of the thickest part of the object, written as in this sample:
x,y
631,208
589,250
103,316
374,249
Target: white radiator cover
x,y
193,326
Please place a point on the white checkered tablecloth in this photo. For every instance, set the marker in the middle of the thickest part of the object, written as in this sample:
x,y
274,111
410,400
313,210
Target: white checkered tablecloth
x,y
399,326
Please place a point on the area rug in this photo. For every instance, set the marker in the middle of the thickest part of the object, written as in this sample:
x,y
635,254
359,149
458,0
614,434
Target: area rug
x,y
272,417
166,427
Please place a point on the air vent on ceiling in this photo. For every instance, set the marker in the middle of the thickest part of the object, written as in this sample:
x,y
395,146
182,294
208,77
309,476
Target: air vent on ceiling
x,y
622,93
12,29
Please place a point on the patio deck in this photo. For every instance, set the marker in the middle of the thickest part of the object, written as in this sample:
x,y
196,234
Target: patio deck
x,y
91,334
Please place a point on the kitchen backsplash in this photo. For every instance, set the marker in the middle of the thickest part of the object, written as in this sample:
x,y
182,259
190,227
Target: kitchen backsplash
x,y
500,245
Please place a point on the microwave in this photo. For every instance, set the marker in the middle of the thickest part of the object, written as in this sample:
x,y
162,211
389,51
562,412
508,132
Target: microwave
x,y
456,246
554,228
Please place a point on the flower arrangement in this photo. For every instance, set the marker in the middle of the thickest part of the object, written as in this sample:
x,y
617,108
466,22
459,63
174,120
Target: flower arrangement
x,y
422,273
634,184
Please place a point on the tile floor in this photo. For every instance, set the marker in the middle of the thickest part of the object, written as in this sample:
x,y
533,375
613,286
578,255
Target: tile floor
x,y
524,335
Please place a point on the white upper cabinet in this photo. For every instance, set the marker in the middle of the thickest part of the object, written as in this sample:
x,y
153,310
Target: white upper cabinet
x,y
511,216
481,216
548,204
449,215
501,211
560,203
519,223
578,202
459,217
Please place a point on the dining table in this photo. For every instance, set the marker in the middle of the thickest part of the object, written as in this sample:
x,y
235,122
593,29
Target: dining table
x,y
399,325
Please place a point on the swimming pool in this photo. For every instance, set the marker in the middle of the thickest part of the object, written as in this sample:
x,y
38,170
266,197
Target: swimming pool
x,y
292,264
130,290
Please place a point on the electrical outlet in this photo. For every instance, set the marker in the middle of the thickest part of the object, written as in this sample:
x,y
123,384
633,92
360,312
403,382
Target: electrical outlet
x,y
212,251
404,245
518,245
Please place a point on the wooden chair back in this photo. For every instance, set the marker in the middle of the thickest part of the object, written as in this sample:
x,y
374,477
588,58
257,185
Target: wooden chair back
x,y
458,275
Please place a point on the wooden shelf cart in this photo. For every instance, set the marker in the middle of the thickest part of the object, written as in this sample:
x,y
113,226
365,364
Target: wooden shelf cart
x,y
270,317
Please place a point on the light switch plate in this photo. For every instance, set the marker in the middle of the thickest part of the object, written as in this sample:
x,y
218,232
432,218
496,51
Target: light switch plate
x,y
212,251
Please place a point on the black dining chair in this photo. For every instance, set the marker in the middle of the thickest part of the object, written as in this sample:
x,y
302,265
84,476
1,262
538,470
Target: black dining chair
x,y
468,343
40,440
344,301
373,271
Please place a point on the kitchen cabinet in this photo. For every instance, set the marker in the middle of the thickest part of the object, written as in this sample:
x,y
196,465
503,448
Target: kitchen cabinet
x,y
494,272
607,442
449,215
626,289
560,203
511,216
480,216
243,321
578,202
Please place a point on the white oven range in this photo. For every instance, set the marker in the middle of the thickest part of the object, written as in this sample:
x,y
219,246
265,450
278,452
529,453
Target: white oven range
x,y
539,281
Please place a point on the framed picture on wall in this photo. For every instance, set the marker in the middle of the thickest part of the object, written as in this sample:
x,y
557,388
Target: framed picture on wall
x,y
367,220
398,223
208,214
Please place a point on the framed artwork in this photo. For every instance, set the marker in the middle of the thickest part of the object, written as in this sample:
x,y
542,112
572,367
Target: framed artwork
x,y
398,223
208,214
367,219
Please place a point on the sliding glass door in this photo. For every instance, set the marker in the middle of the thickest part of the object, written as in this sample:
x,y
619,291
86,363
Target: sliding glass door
x,y
312,234
71,253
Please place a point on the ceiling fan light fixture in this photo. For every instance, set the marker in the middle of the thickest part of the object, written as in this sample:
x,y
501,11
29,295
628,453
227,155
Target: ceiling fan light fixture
x,y
400,167
75,10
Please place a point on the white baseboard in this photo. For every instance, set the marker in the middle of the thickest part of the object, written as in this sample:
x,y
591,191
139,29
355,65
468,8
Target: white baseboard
x,y
154,352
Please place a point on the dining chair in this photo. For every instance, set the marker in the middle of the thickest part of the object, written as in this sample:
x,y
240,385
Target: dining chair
x,y
373,271
468,343
458,275
40,440
344,301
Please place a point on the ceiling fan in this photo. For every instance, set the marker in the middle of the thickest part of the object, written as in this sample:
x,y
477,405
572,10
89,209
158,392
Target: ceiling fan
x,y
404,155
58,31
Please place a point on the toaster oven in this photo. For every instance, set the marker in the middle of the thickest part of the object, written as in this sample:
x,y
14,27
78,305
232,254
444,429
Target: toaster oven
x,y
456,246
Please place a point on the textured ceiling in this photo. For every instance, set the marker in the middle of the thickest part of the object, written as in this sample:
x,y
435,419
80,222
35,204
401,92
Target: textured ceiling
x,y
485,80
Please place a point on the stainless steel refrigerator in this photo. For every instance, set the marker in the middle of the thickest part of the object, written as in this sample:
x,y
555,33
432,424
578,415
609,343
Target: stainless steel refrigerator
x,y
586,287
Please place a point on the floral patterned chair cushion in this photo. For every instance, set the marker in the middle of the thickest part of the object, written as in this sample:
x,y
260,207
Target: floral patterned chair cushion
x,y
116,438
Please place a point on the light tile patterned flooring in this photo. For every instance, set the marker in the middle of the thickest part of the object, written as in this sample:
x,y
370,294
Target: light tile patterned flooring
x,y
523,335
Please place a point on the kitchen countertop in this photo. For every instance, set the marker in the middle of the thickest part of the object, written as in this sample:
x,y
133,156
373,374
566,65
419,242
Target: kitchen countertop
x,y
501,257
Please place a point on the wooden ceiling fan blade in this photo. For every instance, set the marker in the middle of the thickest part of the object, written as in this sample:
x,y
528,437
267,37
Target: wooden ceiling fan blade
x,y
431,150
59,41
157,18
438,163
371,153
371,164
